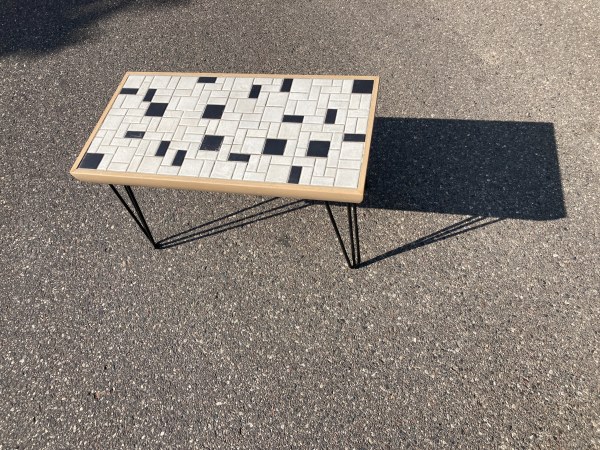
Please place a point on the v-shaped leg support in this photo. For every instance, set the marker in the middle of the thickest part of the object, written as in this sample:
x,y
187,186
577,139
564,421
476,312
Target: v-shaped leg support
x,y
353,263
137,216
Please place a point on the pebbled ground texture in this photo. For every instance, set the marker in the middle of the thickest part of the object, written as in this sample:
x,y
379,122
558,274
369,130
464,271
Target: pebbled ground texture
x,y
474,322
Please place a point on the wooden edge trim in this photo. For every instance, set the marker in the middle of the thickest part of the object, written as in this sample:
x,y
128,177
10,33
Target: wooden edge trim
x,y
323,193
365,162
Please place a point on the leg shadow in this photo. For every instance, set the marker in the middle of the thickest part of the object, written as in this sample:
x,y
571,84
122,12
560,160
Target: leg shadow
x,y
206,230
460,227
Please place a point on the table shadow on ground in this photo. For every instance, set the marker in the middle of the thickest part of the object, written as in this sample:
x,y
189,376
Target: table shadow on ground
x,y
467,167
486,170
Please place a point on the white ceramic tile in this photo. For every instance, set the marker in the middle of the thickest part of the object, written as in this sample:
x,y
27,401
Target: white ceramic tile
x,y
277,173
105,162
253,145
135,163
238,173
306,107
206,169
187,83
227,128
289,130
263,164
245,105
222,170
306,175
361,125
273,114
277,99
123,155
118,167
349,164
346,178
243,84
301,85
330,172
321,181
282,160
191,167
319,168
352,150
168,170
273,130
254,176
167,124
134,81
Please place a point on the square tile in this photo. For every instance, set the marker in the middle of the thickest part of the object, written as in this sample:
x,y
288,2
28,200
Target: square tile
x,y
156,109
278,174
213,111
211,143
222,169
274,147
91,160
362,87
318,149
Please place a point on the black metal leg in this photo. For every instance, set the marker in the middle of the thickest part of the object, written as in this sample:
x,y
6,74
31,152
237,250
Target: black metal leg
x,y
353,229
139,219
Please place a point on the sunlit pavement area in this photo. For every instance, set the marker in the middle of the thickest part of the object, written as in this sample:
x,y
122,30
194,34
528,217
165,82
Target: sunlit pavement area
x,y
474,319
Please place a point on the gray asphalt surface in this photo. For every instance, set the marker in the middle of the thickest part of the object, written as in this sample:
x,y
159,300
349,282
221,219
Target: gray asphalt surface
x,y
475,320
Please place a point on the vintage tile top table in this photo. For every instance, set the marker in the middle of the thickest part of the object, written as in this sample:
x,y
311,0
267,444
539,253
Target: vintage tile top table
x,y
297,136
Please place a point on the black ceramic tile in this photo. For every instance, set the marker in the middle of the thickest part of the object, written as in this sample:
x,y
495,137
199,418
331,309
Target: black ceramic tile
x,y
207,79
134,134
318,148
254,91
330,116
211,142
295,174
156,109
274,147
129,91
91,160
362,87
162,148
238,157
294,119
286,86
179,157
354,137
149,95
213,111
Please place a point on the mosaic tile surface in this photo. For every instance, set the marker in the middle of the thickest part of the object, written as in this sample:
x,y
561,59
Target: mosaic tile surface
x,y
305,131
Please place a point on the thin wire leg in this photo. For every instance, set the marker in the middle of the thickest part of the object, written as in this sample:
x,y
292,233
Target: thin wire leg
x,y
351,229
337,233
358,261
141,221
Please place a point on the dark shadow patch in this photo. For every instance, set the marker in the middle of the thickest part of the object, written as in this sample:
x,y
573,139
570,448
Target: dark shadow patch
x,y
468,167
39,26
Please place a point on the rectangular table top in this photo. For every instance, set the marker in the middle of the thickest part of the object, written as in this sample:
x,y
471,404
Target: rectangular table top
x,y
298,136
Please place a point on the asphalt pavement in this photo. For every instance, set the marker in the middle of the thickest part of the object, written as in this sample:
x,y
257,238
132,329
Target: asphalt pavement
x,y
474,321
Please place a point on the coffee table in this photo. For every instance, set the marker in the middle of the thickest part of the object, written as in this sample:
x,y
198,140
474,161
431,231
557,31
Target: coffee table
x,y
299,136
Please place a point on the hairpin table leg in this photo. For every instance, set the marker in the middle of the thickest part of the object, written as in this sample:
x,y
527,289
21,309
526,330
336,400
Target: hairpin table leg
x,y
353,262
139,218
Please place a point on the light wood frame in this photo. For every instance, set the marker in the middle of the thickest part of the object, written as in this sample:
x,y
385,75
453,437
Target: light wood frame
x,y
326,193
